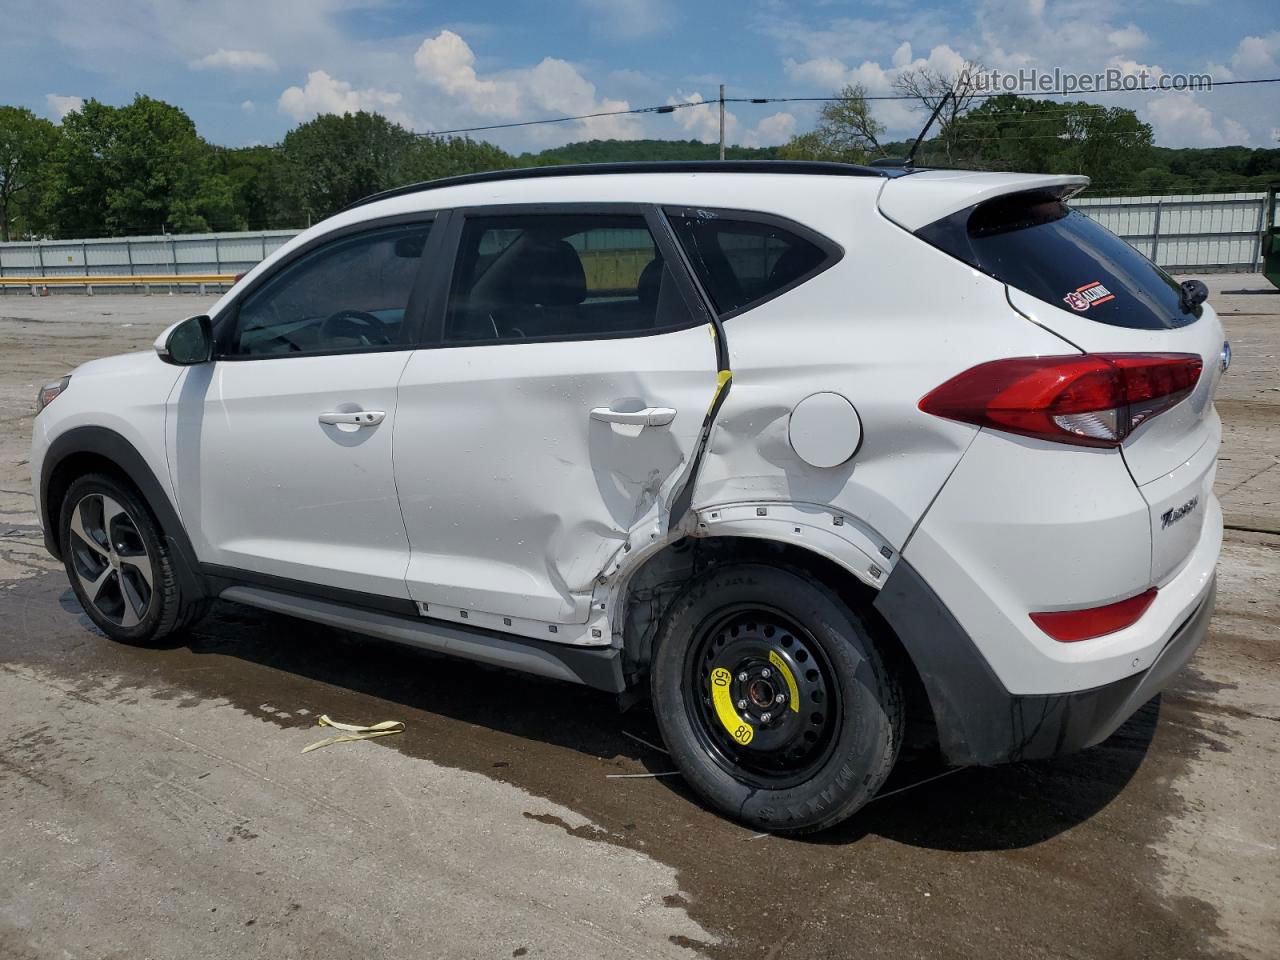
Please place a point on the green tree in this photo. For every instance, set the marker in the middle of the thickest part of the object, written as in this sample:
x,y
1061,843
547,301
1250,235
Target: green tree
x,y
262,194
333,160
25,144
846,131
135,169
1108,144
429,158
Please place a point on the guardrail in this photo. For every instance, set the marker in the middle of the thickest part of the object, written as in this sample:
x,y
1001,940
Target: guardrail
x,y
1184,234
39,286
180,260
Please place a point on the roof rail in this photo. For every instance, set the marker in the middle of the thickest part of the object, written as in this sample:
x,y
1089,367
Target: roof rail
x,y
813,167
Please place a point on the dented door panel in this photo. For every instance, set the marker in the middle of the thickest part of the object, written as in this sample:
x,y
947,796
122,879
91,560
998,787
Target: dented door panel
x,y
514,496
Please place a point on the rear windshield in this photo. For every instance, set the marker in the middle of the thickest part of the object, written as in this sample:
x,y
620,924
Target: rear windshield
x,y
1038,244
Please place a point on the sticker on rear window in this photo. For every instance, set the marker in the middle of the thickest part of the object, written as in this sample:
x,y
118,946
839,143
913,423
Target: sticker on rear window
x,y
1082,298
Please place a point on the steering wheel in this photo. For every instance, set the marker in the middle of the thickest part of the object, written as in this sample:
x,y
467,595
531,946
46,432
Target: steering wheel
x,y
355,325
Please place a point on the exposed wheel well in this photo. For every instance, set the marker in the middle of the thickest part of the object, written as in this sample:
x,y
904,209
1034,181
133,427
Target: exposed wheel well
x,y
653,588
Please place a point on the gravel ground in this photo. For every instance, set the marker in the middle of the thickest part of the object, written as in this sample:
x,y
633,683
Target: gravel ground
x,y
155,803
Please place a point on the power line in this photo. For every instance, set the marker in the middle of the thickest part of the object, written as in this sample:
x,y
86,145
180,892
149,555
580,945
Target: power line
x,y
672,107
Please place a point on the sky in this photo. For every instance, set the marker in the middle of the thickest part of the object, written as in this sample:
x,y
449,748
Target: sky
x,y
248,70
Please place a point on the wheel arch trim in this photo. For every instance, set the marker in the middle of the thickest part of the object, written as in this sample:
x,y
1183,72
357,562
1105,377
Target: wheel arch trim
x,y
109,445
839,537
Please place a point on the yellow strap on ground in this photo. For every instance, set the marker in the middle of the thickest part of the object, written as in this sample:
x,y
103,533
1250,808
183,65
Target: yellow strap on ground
x,y
354,731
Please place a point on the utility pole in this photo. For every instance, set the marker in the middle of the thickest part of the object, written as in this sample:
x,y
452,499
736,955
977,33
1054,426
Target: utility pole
x,y
722,121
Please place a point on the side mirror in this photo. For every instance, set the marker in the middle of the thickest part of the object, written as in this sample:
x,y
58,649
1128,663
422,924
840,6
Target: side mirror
x,y
187,342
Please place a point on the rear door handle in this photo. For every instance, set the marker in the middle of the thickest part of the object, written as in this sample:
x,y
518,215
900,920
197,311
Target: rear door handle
x,y
648,417
358,418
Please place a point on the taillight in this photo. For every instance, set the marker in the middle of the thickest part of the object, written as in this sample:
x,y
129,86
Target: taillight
x,y
1095,400
1069,626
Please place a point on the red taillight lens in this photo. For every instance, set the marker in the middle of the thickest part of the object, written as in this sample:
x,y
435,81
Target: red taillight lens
x,y
1069,626
1094,399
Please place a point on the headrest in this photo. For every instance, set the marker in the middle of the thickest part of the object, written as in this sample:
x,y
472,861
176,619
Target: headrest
x,y
650,283
549,274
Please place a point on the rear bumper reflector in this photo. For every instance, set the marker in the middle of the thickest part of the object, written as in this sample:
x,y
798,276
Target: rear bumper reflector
x,y
1070,626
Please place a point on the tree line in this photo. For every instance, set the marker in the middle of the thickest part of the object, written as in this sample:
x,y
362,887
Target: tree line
x,y
143,168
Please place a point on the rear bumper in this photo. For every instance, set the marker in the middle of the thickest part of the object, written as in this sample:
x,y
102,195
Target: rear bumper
x,y
979,721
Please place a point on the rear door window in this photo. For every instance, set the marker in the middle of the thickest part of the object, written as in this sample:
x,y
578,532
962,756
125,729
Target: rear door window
x,y
1036,243
744,260
560,277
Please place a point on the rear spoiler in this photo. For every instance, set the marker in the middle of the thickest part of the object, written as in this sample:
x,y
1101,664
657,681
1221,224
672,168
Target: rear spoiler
x,y
920,199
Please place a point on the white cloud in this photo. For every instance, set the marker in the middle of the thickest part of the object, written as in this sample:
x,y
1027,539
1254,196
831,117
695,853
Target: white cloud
x,y
824,72
773,129
1128,37
447,62
325,94
60,106
627,19
1180,118
900,117
235,60
703,123
1254,58
552,86
248,106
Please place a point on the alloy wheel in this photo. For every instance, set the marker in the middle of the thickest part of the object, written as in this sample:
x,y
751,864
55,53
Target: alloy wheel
x,y
110,559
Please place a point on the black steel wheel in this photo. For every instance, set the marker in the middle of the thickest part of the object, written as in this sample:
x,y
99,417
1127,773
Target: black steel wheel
x,y
763,694
773,698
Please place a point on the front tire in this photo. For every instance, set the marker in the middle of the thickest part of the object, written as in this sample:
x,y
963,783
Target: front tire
x,y
120,567
773,699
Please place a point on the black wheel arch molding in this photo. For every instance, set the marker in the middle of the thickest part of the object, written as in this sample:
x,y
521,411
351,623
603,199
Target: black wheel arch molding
x,y
105,444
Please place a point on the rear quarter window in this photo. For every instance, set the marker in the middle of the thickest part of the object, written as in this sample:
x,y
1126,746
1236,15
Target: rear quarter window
x,y
744,259
1038,244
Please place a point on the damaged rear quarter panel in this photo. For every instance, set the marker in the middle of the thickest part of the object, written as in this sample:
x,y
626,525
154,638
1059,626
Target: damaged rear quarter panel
x,y
875,329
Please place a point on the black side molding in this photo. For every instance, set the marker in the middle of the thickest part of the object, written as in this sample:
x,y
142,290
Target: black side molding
x,y
596,667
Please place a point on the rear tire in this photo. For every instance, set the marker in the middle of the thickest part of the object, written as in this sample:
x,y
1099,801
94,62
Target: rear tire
x,y
773,699
120,567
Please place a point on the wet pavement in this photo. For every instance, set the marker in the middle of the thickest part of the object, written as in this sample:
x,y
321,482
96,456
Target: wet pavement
x,y
155,802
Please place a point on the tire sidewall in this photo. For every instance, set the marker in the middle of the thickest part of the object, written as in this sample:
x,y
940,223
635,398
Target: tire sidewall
x,y
867,733
148,626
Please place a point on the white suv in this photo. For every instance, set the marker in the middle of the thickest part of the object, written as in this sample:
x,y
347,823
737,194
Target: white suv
x,y
797,449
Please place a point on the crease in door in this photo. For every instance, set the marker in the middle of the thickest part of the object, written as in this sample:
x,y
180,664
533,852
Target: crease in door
x,y
395,480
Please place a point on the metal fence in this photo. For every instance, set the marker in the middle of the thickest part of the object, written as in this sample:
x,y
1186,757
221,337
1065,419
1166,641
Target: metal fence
x,y
1219,232
1184,234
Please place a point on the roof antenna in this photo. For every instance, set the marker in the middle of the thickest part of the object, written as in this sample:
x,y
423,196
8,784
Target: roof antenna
x,y
909,161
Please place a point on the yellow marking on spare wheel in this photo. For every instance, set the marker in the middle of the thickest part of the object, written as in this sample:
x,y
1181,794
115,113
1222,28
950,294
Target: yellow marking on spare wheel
x,y
738,729
787,675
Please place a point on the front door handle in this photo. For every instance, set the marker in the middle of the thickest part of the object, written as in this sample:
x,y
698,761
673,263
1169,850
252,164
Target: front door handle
x,y
358,418
648,417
